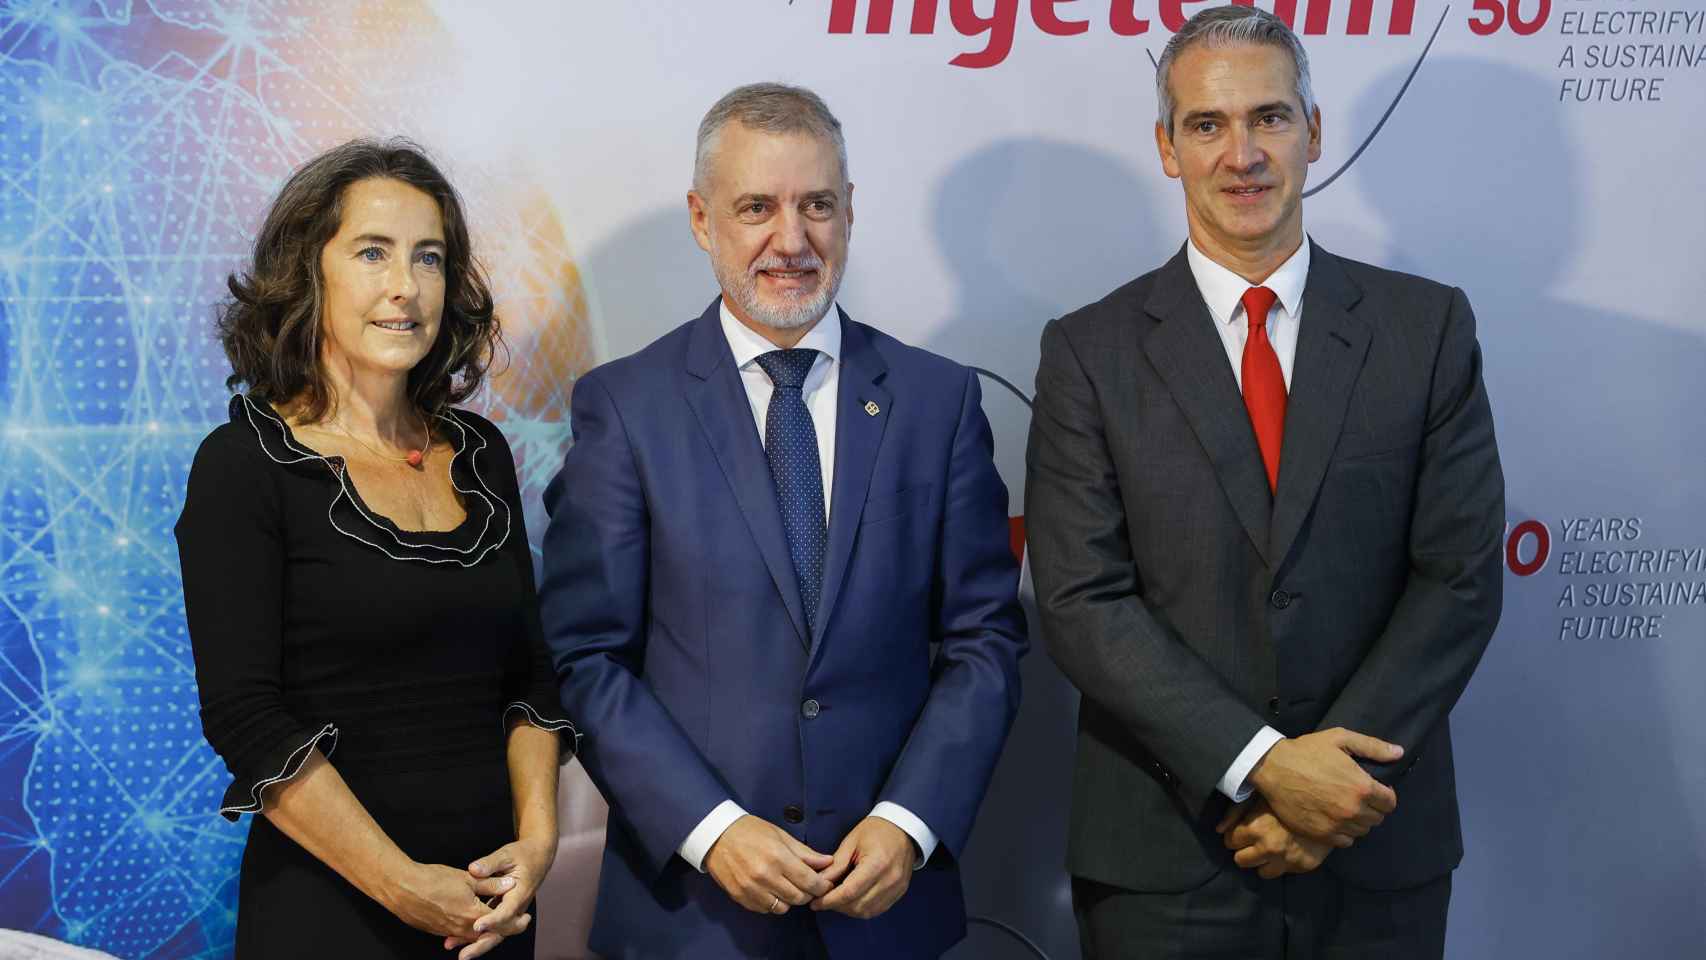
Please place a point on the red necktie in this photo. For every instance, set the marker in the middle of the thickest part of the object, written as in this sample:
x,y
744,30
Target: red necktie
x,y
1264,383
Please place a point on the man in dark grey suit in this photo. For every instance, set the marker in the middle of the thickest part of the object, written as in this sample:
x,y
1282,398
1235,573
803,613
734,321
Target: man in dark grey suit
x,y
1264,503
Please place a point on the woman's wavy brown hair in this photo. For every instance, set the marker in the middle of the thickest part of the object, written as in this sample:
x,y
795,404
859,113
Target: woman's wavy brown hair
x,y
271,325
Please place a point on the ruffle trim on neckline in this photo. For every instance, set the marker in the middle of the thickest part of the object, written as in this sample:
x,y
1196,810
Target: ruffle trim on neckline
x,y
292,766
282,447
570,745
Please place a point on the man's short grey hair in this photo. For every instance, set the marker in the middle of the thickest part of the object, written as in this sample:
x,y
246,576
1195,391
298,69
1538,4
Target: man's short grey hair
x,y
772,108
1229,26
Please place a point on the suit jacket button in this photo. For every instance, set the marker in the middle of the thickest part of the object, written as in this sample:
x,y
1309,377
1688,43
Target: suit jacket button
x,y
810,709
793,814
1280,599
1273,706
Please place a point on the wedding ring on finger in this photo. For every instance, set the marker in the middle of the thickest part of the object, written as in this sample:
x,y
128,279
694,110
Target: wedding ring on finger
x,y
777,906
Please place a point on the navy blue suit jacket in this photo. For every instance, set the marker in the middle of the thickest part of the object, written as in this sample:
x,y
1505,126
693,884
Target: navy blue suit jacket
x,y
673,615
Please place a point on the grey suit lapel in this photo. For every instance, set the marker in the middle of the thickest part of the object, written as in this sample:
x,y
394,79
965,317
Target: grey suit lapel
x,y
719,401
1331,347
858,434
1191,359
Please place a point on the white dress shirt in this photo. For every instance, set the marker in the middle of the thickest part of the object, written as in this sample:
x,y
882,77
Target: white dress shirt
x,y
1223,291
819,392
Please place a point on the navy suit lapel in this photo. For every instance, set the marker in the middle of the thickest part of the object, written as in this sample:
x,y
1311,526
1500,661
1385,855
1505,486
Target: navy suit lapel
x,y
1331,347
719,400
1191,359
858,435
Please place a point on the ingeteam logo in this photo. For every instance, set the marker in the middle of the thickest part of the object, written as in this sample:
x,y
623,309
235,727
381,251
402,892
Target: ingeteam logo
x,y
993,31
1067,18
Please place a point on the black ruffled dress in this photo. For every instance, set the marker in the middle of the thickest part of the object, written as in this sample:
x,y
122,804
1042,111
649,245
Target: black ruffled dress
x,y
401,655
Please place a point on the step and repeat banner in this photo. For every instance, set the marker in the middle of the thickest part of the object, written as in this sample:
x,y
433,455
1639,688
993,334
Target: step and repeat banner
x,y
1541,154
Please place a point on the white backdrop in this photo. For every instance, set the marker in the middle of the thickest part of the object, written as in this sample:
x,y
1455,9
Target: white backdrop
x,y
1544,158
989,200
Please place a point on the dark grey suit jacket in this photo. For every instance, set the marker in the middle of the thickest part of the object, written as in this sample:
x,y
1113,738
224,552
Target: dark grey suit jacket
x,y
1191,607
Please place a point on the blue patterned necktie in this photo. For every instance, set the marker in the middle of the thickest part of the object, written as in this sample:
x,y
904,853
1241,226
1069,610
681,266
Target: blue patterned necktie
x,y
790,443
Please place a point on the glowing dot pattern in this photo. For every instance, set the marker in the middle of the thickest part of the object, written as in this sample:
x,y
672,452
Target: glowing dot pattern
x,y
139,146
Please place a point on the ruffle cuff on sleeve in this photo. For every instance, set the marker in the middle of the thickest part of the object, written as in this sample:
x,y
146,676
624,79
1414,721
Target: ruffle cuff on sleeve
x,y
568,738
244,794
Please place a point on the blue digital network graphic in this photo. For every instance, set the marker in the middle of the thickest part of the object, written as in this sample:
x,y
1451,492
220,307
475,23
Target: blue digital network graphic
x,y
139,144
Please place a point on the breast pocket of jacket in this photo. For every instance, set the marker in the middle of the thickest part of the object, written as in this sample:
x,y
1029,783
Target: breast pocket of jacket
x,y
1371,494
887,506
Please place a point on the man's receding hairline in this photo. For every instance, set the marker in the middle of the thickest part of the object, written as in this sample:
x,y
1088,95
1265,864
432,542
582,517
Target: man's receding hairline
x,y
714,148
1227,27
1291,98
774,108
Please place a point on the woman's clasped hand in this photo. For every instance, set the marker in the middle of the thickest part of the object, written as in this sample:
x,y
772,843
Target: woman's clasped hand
x,y
506,880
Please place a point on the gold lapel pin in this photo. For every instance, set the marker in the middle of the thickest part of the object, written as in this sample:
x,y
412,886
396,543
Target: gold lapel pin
x,y
871,408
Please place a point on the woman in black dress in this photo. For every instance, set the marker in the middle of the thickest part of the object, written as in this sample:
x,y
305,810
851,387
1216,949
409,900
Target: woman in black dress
x,y
357,579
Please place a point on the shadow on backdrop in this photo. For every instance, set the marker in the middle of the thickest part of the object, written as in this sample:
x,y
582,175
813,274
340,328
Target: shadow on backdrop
x,y
648,278
642,282
1031,229
1578,760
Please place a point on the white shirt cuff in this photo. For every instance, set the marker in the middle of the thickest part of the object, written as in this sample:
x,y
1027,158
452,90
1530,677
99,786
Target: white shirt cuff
x,y
914,828
1235,783
698,843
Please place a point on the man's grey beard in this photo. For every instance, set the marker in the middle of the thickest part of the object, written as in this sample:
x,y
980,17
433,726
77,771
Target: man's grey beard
x,y
799,310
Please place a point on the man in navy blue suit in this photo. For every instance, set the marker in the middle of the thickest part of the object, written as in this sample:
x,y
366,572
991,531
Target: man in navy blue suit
x,y
779,591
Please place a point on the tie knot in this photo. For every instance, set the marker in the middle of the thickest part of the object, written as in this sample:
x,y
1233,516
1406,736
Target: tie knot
x,y
1257,302
788,368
